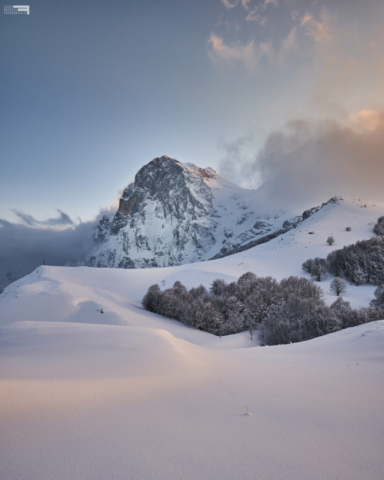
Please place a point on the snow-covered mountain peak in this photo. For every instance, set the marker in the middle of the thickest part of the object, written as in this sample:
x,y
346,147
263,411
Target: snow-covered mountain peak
x,y
175,213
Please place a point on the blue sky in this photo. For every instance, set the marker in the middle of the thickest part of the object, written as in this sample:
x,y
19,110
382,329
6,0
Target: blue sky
x,y
91,90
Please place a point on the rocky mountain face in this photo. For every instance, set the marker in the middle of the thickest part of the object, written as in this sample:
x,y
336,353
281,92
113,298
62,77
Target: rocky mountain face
x,y
176,213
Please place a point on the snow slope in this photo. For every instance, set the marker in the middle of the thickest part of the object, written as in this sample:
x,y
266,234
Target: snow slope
x,y
128,394
95,402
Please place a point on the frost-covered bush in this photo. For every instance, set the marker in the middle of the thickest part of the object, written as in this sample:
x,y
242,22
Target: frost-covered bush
x,y
288,311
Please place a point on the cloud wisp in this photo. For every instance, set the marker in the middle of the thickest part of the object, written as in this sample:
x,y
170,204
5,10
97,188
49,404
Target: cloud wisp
x,y
63,220
229,4
319,29
249,54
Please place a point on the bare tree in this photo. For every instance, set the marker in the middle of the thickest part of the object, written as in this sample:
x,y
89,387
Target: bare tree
x,y
338,286
330,240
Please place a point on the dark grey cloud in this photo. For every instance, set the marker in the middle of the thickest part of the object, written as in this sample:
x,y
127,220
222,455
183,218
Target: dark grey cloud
x,y
62,220
308,162
23,247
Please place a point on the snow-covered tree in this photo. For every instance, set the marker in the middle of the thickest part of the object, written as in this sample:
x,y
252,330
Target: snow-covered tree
x,y
246,284
307,265
319,272
218,287
379,227
234,315
378,301
343,312
359,276
330,240
152,298
338,286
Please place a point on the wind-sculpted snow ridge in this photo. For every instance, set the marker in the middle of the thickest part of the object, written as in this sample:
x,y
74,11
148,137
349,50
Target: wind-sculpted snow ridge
x,y
176,213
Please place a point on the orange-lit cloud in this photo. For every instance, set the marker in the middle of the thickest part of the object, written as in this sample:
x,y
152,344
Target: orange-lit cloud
x,y
229,4
275,3
365,121
320,30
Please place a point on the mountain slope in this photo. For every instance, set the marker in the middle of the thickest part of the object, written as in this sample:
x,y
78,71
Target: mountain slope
x,y
177,213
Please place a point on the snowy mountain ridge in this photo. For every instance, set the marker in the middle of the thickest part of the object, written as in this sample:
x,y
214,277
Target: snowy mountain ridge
x,y
176,213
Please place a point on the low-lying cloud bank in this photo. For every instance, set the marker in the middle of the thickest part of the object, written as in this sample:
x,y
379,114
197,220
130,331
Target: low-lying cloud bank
x,y
308,162
25,247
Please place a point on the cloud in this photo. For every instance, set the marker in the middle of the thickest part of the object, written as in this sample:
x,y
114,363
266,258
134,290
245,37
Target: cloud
x,y
245,4
289,46
248,54
254,16
238,156
62,220
25,247
347,62
320,30
251,54
365,121
228,4
275,3
308,162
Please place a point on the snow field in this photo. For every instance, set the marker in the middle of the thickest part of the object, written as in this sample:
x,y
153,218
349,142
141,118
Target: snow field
x,y
128,394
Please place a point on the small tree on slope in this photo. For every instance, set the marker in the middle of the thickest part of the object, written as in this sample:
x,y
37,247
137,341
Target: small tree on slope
x,y
338,286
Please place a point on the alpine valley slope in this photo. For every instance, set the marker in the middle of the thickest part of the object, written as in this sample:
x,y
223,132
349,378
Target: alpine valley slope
x,y
176,213
129,394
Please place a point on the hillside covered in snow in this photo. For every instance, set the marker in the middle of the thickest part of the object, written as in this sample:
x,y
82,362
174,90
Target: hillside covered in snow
x,y
93,386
